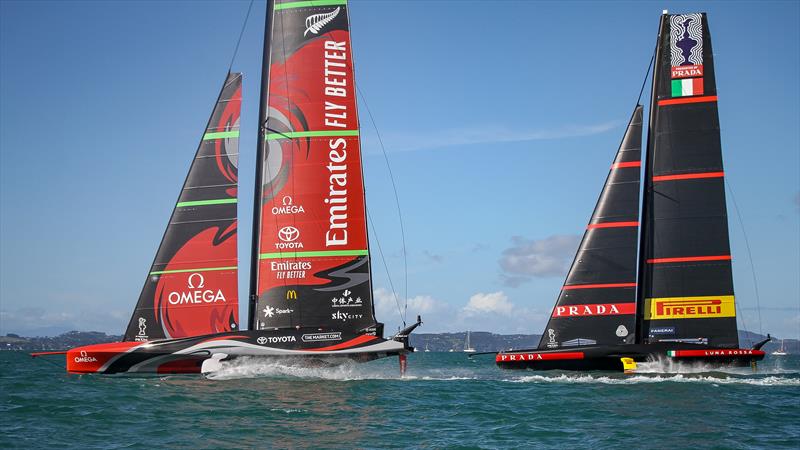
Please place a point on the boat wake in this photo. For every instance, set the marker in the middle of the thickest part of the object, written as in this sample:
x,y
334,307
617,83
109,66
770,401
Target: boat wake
x,y
265,367
647,379
338,370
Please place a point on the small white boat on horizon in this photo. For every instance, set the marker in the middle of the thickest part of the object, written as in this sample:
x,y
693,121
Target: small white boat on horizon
x,y
781,351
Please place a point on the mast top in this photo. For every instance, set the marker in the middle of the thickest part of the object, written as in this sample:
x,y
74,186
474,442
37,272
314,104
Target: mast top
x,y
665,12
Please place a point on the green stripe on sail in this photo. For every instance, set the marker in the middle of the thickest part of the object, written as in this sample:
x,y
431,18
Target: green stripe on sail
x,y
220,201
677,88
221,135
309,3
312,254
202,269
302,134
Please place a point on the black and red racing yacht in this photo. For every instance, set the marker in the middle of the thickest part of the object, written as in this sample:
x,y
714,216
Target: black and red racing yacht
x,y
659,287
310,283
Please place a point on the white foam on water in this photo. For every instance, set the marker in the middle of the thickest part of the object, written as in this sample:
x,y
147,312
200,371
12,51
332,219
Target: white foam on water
x,y
264,367
337,370
646,379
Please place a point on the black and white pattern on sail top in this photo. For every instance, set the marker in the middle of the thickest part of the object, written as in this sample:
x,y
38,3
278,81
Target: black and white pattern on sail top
x,y
686,39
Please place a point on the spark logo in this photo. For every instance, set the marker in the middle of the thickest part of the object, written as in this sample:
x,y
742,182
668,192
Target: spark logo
x,y
709,307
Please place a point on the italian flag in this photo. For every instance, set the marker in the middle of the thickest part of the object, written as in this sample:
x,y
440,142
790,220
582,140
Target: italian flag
x,y
687,87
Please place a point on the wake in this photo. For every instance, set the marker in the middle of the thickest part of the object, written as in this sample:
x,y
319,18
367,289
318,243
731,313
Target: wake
x,y
662,371
335,370
645,379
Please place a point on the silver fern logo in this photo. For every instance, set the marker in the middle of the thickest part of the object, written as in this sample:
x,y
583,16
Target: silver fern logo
x,y
314,23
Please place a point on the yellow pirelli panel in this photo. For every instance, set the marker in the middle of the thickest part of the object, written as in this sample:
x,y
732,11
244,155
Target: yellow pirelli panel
x,y
708,307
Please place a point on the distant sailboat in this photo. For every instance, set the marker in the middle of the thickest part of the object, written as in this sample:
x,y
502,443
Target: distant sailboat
x,y
781,351
310,282
666,292
467,346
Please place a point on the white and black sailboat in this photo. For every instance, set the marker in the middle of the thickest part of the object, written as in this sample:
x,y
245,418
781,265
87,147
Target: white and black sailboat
x,y
310,283
665,291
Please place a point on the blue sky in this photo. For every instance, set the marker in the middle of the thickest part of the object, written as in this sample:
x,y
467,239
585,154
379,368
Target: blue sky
x,y
500,120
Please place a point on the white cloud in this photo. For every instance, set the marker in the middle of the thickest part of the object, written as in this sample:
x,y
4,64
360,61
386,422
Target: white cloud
x,y
492,303
528,258
386,304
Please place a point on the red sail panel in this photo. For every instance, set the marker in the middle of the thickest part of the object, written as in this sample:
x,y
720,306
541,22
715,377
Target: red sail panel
x,y
597,304
192,286
313,263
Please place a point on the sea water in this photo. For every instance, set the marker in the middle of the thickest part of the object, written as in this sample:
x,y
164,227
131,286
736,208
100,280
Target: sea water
x,y
445,401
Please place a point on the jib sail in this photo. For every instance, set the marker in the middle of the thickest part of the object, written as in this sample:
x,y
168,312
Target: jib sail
x,y
311,248
192,286
597,303
686,280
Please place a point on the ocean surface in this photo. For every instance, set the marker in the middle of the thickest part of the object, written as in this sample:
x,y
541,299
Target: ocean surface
x,y
446,401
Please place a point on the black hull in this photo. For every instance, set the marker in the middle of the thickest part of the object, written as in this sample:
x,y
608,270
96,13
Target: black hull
x,y
609,358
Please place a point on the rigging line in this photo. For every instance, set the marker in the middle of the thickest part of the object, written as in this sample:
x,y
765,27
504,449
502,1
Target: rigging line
x,y
53,362
396,202
386,267
241,33
646,74
749,255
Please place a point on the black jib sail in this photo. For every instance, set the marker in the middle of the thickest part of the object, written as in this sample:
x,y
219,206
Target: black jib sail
x,y
192,286
686,284
310,256
597,303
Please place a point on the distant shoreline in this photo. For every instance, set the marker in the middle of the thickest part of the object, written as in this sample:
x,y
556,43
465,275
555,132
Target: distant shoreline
x,y
481,341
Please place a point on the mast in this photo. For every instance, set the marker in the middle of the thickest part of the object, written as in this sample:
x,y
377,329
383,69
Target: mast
x,y
261,144
648,174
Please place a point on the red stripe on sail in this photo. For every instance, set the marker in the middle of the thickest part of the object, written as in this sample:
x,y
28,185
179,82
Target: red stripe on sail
x,y
689,259
598,286
689,176
623,165
592,226
351,343
682,100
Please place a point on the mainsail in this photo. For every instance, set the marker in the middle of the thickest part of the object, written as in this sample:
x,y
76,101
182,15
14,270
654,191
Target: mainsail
x,y
311,259
192,286
686,284
597,303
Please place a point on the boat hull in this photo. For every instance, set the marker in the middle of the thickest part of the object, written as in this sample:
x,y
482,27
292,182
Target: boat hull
x,y
610,357
186,355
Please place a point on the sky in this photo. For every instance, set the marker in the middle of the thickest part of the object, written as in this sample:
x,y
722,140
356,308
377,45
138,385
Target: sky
x,y
499,120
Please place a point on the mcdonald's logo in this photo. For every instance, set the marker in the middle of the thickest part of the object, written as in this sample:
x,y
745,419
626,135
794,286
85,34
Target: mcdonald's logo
x,y
291,294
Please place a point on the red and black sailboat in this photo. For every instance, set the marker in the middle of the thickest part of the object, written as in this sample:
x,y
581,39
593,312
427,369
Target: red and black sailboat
x,y
665,291
310,292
